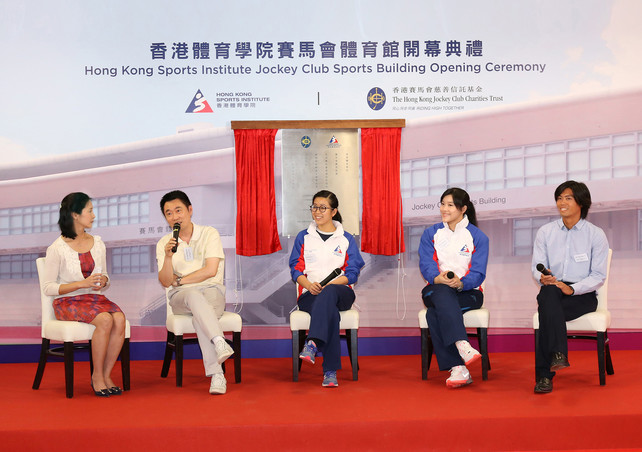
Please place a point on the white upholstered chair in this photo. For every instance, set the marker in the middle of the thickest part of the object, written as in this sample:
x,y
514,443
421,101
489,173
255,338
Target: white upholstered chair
x,y
592,326
179,325
69,333
477,319
300,324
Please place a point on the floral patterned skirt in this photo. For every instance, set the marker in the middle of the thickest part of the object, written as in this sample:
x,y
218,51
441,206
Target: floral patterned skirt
x,y
83,308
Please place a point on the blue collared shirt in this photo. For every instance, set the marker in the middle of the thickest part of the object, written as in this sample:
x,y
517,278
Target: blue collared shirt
x,y
577,255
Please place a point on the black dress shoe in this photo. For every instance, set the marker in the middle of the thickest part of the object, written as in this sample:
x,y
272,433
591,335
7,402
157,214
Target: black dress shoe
x,y
544,385
100,392
559,361
115,390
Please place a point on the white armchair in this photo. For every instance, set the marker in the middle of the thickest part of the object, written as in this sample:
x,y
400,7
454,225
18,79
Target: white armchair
x,y
69,333
475,318
592,326
179,325
300,323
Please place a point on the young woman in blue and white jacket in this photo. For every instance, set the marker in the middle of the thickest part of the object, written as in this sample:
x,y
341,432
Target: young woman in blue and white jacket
x,y
456,248
318,250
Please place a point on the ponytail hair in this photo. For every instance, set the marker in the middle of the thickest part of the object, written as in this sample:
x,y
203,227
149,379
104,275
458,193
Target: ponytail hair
x,y
72,203
332,200
461,199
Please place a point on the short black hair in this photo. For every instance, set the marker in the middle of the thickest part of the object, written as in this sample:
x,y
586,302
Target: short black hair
x,y
171,196
72,203
581,194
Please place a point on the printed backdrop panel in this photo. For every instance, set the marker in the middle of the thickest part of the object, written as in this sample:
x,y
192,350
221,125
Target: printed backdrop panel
x,y
314,160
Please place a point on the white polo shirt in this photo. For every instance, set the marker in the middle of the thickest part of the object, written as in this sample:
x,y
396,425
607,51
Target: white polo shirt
x,y
204,244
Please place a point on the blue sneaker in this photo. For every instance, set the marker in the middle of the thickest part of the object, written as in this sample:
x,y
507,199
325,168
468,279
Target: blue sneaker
x,y
309,352
330,379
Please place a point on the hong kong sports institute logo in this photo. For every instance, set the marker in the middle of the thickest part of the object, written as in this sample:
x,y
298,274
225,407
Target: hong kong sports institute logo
x,y
199,104
376,98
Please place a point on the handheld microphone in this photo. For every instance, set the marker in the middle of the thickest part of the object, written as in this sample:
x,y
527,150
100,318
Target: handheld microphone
x,y
336,272
450,275
543,270
175,230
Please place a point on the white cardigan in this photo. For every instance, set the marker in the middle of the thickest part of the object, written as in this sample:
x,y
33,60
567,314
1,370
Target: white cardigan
x,y
62,266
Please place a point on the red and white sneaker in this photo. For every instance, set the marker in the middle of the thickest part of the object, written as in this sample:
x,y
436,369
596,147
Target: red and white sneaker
x,y
467,352
459,376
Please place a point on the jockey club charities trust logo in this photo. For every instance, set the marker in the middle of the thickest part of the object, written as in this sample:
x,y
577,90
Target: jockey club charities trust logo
x,y
306,141
333,143
376,98
199,104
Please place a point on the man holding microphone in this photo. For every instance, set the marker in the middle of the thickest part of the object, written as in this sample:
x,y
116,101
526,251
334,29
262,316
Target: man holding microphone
x,y
573,254
191,264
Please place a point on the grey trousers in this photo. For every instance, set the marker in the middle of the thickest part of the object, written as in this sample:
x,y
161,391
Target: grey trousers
x,y
206,304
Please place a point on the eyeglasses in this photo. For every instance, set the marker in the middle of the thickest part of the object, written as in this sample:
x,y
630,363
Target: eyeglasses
x,y
321,209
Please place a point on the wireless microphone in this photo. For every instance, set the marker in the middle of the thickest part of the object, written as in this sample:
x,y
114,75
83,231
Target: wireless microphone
x,y
336,272
543,270
450,275
175,230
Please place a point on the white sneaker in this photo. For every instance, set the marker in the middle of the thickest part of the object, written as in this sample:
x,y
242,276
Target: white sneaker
x,y
459,376
467,352
223,351
218,385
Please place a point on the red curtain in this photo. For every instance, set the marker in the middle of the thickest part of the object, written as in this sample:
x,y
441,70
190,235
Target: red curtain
x,y
256,230
382,225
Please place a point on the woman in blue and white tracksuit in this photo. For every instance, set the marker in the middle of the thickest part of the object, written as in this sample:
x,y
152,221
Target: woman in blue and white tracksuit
x,y
317,251
452,258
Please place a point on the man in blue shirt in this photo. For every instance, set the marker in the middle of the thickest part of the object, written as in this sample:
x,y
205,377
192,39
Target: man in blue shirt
x,y
575,253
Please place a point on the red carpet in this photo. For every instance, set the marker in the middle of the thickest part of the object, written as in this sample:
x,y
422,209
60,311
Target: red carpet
x,y
390,407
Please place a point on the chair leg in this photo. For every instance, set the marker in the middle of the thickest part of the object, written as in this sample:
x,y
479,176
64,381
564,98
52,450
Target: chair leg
x,y
236,345
352,336
295,355
536,348
429,348
179,361
69,368
482,335
41,363
424,354
607,352
600,358
348,343
91,360
167,360
302,337
124,364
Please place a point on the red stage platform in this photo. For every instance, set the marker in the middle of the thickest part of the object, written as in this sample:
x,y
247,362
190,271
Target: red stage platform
x,y
389,408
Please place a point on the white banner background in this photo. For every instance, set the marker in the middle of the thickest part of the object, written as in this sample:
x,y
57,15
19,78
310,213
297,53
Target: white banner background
x,y
504,98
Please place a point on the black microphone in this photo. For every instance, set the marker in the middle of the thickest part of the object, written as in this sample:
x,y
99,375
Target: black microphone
x,y
543,270
175,230
450,275
336,272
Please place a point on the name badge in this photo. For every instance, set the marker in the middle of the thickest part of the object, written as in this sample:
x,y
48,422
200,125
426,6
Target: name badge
x,y
189,254
581,257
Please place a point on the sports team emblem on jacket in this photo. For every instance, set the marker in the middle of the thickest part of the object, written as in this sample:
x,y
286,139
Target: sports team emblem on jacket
x,y
464,251
337,251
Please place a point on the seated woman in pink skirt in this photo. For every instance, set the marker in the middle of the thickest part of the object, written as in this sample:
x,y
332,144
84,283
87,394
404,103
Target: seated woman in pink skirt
x,y
75,274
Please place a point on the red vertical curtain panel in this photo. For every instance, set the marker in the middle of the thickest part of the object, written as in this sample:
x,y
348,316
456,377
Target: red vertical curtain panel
x,y
382,226
256,230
